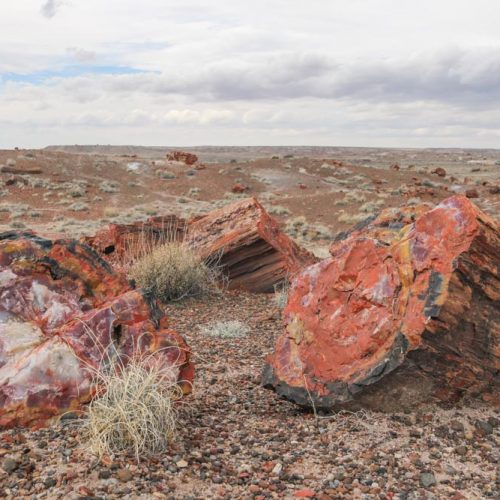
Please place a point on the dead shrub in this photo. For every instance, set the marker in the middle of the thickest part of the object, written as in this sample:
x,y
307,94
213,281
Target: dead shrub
x,y
135,409
281,292
232,329
174,271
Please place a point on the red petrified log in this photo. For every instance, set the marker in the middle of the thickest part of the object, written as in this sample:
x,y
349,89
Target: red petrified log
x,y
388,323
249,246
241,238
123,242
63,312
182,156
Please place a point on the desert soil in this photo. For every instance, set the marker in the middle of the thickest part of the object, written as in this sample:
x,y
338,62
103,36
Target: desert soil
x,y
237,439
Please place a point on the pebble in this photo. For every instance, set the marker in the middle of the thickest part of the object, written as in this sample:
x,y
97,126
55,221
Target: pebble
x,y
124,475
10,465
427,479
456,426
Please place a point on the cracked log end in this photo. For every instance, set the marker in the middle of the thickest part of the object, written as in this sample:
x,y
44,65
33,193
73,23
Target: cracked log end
x,y
388,323
249,246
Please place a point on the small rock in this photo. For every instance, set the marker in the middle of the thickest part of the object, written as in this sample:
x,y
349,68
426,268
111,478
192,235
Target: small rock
x,y
124,475
484,427
427,479
457,426
10,465
50,482
104,474
238,188
472,193
278,468
439,171
493,421
182,464
461,450
305,493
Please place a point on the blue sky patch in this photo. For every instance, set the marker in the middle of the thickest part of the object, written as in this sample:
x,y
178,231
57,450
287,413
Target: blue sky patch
x,y
69,72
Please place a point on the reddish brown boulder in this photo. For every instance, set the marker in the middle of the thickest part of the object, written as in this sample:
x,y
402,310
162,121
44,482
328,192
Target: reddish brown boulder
x,y
472,193
182,156
248,245
238,188
439,171
63,313
391,322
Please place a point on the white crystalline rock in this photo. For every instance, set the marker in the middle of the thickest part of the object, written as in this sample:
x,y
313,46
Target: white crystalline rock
x,y
55,308
17,337
7,277
51,364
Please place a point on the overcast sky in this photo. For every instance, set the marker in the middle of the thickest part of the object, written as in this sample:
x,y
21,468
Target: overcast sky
x,y
260,72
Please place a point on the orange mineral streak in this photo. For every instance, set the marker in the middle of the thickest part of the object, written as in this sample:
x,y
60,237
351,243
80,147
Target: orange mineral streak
x,y
354,317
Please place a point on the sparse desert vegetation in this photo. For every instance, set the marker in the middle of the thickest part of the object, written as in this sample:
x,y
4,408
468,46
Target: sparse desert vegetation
x,y
173,271
140,434
135,408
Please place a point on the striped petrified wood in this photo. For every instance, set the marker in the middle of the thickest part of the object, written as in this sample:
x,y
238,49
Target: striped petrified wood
x,y
249,246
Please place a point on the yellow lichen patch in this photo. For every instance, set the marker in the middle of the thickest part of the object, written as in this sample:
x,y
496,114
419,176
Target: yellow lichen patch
x,y
295,330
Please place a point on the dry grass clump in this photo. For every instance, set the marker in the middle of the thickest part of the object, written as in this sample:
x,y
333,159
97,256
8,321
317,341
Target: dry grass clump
x,y
135,408
281,292
278,210
226,329
109,187
299,228
351,218
78,207
174,271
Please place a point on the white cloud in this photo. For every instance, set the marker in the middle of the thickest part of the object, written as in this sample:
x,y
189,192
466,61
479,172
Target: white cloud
x,y
327,72
50,7
82,55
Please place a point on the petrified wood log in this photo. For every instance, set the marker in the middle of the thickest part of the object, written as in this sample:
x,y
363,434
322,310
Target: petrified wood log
x,y
64,312
248,245
241,238
393,322
182,156
119,243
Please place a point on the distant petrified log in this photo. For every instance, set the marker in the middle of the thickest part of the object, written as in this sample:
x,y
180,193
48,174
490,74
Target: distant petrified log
x,y
241,238
63,314
388,323
7,169
248,245
182,156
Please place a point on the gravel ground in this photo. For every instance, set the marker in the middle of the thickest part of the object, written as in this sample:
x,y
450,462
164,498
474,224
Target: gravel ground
x,y
238,440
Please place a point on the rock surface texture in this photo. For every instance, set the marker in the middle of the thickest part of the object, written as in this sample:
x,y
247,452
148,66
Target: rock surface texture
x,y
63,313
397,315
248,245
